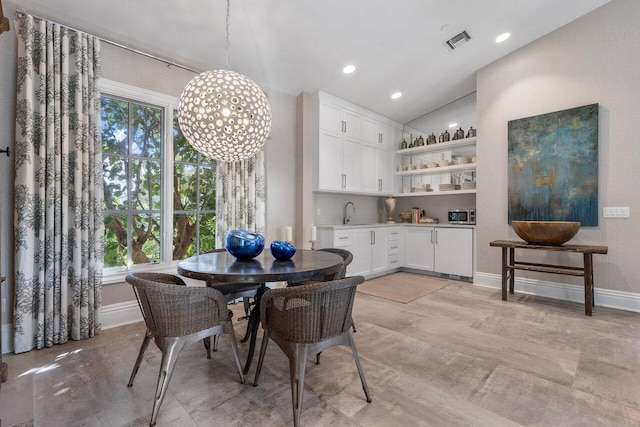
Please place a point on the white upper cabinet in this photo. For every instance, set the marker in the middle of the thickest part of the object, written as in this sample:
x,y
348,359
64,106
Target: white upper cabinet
x,y
340,119
354,148
381,134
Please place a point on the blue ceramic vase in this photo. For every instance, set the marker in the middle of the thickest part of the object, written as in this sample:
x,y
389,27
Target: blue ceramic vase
x,y
244,244
282,251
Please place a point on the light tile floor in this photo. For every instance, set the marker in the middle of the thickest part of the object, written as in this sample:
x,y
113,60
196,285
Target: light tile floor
x,y
459,356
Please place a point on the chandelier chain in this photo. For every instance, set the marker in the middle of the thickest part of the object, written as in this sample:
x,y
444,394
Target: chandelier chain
x,y
228,19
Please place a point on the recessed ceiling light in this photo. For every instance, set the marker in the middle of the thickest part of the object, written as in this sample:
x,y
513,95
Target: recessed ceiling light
x,y
349,69
502,37
452,125
396,95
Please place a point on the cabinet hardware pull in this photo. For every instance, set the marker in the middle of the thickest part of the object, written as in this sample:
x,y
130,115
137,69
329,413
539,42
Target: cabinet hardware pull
x,y
342,123
431,231
379,184
379,138
436,236
373,237
343,238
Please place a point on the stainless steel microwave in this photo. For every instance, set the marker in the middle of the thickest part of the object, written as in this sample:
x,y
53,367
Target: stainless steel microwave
x,y
461,216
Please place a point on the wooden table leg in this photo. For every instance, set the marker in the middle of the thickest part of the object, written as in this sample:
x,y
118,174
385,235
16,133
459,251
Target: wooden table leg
x,y
504,274
588,284
512,275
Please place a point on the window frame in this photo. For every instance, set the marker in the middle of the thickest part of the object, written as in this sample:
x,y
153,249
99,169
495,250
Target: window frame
x,y
168,104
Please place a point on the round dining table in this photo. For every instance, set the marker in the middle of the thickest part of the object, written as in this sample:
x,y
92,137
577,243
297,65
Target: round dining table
x,y
222,267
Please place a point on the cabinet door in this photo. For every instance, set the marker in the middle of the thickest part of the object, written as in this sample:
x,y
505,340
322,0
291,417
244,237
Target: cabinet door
x,y
379,249
369,169
353,124
395,138
331,117
330,162
361,250
418,249
386,136
371,131
385,171
454,251
351,164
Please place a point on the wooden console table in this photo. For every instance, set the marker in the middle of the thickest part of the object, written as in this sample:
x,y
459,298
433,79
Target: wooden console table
x,y
509,265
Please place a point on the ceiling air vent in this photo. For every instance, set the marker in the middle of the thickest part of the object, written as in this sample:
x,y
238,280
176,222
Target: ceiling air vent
x,y
458,40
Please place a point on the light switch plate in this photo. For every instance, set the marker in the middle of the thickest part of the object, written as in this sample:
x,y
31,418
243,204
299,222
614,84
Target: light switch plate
x,y
616,212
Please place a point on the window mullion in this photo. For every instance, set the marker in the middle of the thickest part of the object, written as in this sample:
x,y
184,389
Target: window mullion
x,y
167,185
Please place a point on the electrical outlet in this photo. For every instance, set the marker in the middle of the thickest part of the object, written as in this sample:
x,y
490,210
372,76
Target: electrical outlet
x,y
318,213
616,212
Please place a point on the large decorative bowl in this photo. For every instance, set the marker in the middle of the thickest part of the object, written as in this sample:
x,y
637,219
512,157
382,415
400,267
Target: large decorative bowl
x,y
244,244
282,251
553,233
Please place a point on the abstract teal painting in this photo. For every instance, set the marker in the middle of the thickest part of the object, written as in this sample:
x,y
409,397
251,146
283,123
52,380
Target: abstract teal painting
x,y
553,166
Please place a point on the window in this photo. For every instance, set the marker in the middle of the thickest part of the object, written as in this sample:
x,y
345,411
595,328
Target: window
x,y
159,193
194,198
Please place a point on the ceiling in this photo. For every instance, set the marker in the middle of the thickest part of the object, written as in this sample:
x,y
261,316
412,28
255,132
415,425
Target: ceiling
x,y
302,45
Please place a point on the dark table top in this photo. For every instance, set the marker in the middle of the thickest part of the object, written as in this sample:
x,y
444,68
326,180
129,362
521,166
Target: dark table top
x,y
224,267
520,244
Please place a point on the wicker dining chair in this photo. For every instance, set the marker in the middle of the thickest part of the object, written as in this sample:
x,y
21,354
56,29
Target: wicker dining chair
x,y
177,315
307,319
347,257
232,292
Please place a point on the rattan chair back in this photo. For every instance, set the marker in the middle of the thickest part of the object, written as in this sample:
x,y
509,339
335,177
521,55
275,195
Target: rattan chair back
x,y
305,320
177,315
347,257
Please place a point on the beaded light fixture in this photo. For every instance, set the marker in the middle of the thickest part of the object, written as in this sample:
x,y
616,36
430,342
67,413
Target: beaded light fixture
x,y
223,114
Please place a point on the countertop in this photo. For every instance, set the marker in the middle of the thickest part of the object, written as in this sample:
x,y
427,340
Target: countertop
x,y
384,224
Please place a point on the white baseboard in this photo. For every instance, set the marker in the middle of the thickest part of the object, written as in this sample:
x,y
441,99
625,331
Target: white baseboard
x,y
120,314
113,315
7,338
628,301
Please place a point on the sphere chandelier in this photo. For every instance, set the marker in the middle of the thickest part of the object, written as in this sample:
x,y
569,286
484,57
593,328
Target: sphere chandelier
x,y
223,114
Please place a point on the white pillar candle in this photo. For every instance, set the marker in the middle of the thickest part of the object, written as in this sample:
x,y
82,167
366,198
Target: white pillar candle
x,y
289,233
313,232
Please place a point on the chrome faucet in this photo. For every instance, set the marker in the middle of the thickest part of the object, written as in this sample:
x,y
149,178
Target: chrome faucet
x,y
346,219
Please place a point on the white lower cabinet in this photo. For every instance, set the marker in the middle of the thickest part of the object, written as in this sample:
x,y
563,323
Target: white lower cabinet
x,y
439,249
379,250
418,249
369,246
370,251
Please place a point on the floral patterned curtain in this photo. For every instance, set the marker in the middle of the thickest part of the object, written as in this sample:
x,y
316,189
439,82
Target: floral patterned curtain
x,y
240,191
58,186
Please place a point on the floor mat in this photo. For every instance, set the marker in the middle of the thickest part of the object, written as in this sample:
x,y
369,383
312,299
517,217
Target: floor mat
x,y
402,287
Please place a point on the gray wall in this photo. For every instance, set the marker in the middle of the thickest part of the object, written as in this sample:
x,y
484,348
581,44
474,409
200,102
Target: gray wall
x,y
594,59
127,67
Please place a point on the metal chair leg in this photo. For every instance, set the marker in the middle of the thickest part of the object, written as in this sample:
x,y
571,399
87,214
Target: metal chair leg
x,y
207,345
234,347
365,387
297,366
170,350
263,350
216,340
143,349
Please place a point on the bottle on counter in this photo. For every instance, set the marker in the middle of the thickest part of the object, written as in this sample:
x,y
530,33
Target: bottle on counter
x,y
415,215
